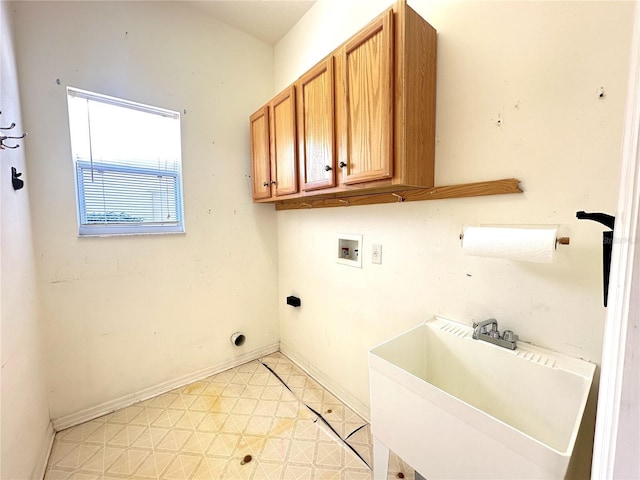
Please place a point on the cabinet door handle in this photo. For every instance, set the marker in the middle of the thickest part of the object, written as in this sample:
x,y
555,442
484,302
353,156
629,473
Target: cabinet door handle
x,y
265,184
273,182
342,164
327,168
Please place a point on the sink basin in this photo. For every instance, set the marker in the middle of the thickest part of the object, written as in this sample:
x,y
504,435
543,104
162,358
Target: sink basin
x,y
453,407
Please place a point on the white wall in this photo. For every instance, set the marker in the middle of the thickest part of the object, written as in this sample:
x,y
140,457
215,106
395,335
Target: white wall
x,y
626,463
124,314
26,431
617,434
536,66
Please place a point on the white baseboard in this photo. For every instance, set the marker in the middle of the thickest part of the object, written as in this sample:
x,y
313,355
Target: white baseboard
x,y
43,453
327,382
127,400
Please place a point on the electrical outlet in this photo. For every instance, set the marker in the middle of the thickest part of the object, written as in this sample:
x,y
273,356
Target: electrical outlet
x,y
376,254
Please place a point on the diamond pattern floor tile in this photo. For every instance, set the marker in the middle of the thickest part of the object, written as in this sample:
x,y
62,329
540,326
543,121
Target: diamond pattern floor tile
x,y
340,417
204,431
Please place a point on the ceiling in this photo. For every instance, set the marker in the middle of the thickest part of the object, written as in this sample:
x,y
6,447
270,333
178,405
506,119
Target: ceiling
x,y
267,20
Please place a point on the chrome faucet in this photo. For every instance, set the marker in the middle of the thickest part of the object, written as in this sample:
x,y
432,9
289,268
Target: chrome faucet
x,y
482,327
487,330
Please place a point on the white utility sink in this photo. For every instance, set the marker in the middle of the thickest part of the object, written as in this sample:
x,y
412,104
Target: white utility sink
x,y
457,408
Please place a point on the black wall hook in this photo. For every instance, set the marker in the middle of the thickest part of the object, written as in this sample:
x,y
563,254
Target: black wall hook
x,y
15,181
607,244
7,137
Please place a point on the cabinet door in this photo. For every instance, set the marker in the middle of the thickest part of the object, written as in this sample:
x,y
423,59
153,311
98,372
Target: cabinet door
x,y
283,142
260,157
315,127
367,106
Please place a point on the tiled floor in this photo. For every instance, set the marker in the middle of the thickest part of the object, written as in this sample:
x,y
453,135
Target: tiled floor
x,y
269,409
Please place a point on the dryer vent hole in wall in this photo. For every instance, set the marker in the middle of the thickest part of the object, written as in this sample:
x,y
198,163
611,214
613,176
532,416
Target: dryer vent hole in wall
x,y
238,339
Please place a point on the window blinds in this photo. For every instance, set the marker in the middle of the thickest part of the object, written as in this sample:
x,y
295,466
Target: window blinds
x,y
128,165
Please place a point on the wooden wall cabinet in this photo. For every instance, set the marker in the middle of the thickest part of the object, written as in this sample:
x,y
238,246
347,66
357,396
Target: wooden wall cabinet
x,y
273,148
365,116
260,154
386,105
365,125
316,132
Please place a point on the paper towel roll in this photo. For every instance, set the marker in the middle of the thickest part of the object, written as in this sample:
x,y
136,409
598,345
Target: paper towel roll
x,y
524,244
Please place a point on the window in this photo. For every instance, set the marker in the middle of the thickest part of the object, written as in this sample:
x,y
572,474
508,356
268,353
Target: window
x,y
127,163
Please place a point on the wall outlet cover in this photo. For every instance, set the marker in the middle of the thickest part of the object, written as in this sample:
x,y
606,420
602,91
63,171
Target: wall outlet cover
x,y
376,254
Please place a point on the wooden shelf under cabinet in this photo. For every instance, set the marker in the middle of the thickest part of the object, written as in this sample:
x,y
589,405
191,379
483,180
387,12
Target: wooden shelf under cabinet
x,y
477,189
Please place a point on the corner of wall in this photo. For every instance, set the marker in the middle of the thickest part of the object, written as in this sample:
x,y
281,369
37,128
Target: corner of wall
x,y
44,451
27,433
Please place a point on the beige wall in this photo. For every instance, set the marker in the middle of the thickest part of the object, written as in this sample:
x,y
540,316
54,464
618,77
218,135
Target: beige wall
x,y
536,66
24,415
124,314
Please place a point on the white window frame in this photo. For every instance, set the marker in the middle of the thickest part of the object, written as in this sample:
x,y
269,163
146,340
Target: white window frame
x,y
82,165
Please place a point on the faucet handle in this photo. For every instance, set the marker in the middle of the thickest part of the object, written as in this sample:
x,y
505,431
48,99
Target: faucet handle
x,y
509,336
